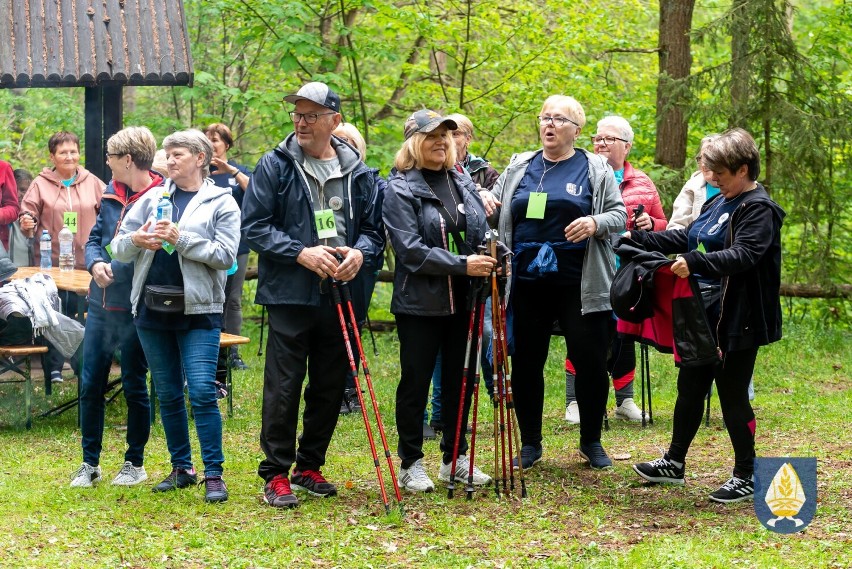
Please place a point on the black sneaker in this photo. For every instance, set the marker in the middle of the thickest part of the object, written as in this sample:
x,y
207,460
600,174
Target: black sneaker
x,y
350,403
661,471
596,456
734,490
237,363
277,493
214,489
312,482
429,433
179,478
530,456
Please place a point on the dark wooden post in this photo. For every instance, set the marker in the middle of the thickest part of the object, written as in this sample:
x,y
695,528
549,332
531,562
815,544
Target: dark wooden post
x,y
104,117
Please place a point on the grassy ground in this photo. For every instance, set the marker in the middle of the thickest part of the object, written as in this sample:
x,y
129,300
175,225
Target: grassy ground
x,y
574,517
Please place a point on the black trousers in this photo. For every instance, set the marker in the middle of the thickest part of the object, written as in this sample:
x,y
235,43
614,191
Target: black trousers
x,y
732,376
535,306
302,339
420,340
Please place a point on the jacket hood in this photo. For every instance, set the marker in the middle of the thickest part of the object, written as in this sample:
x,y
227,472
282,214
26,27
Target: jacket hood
x,y
347,156
119,190
760,195
50,175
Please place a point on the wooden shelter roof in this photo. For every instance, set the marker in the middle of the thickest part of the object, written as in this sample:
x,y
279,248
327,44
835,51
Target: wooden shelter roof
x,y
87,43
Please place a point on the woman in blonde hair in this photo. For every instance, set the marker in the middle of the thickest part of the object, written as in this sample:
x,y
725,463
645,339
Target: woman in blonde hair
x,y
435,220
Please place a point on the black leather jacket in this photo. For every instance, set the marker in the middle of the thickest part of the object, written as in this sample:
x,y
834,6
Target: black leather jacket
x,y
278,221
749,268
423,281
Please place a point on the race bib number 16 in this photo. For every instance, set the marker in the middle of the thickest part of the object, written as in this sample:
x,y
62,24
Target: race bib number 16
x,y
326,228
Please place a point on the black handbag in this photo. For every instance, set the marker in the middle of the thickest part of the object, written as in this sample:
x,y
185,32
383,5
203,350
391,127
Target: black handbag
x,y
164,298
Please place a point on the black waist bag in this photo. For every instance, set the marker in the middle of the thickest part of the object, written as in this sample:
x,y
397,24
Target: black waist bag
x,y
164,298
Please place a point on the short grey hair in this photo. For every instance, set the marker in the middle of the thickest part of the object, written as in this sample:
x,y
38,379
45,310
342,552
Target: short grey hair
x,y
620,123
195,141
136,141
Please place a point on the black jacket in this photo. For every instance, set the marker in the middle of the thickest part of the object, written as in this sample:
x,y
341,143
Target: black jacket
x,y
425,269
749,268
278,221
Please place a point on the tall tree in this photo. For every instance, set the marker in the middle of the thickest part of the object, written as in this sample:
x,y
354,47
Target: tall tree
x,y
675,60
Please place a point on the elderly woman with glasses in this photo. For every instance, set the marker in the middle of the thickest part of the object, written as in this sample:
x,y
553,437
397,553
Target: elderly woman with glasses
x,y
557,207
177,298
435,220
613,141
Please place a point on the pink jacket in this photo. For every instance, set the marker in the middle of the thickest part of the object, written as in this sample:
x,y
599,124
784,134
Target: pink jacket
x,y
8,201
48,199
637,188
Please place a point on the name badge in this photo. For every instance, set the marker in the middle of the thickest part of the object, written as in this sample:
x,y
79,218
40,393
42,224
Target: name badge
x,y
324,219
69,218
535,207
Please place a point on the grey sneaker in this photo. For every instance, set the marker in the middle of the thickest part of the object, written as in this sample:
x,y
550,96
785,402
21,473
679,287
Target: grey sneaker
x,y
462,472
415,479
130,475
86,476
628,411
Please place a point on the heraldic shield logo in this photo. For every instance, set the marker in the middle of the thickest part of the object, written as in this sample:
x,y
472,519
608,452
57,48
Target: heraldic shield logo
x,y
785,493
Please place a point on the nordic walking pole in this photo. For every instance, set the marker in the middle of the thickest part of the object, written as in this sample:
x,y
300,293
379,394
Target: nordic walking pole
x,y
338,303
469,488
499,357
510,399
347,297
473,294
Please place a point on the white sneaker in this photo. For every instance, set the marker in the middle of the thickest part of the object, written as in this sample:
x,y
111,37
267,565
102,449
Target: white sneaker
x,y
629,411
462,472
572,413
415,479
86,476
130,475
56,377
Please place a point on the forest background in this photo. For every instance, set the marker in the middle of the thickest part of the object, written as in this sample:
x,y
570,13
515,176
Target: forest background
x,y
677,70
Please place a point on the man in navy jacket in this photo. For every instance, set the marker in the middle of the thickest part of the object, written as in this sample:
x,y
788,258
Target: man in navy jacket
x,y
310,212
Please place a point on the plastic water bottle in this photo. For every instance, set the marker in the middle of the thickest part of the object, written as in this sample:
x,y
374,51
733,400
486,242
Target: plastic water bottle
x,y
164,207
66,249
164,211
45,248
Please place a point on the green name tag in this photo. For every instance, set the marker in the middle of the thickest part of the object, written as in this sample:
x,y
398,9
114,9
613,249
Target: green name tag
x,y
535,208
326,228
453,246
109,250
701,248
69,218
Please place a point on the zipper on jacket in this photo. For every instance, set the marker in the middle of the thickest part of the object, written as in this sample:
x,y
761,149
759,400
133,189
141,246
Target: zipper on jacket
x,y
724,287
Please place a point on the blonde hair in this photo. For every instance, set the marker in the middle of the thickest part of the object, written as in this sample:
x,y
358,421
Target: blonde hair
x,y
463,123
573,108
136,141
410,155
353,136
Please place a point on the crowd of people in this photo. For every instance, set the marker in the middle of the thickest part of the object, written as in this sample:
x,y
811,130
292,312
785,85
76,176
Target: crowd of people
x,y
167,247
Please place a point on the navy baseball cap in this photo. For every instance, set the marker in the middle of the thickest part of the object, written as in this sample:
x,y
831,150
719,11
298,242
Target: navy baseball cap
x,y
426,121
319,93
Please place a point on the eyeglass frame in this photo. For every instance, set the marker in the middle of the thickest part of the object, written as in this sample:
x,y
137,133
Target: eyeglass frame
x,y
604,142
108,154
544,120
304,116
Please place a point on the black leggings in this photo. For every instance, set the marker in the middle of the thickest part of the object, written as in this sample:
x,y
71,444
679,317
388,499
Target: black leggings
x,y
535,306
732,376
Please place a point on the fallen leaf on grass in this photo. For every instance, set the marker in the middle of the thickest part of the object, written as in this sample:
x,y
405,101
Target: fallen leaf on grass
x,y
389,547
621,456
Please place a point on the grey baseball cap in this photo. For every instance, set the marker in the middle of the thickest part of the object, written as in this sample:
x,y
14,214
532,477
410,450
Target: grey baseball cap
x,y
426,121
319,93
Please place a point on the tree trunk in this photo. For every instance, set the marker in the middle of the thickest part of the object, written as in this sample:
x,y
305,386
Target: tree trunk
x,y
740,67
675,59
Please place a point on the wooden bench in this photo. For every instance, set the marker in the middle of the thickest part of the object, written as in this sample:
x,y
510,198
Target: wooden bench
x,y
225,341
11,358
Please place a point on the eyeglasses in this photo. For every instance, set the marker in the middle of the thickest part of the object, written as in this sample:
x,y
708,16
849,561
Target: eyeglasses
x,y
555,121
108,154
605,140
309,118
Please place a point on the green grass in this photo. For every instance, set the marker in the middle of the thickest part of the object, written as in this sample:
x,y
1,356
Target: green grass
x,y
573,517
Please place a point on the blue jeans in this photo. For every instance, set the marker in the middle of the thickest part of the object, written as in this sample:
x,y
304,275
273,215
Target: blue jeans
x,y
191,355
107,330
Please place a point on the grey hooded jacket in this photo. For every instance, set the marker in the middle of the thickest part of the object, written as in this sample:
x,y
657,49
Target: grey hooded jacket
x,y
607,210
207,246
